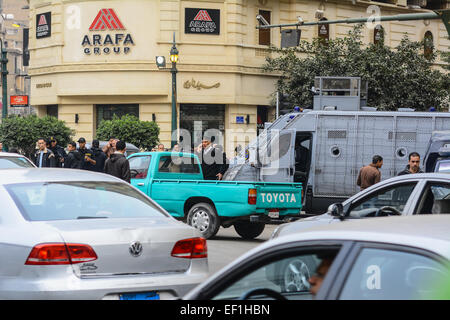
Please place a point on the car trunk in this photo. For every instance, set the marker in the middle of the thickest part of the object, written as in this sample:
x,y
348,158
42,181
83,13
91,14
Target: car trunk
x,y
111,240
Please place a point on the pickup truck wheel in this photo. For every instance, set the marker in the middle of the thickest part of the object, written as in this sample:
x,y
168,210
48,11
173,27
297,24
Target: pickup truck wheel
x,y
203,217
249,230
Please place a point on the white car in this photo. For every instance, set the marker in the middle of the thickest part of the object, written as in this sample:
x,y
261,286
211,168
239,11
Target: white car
x,y
73,234
424,193
390,258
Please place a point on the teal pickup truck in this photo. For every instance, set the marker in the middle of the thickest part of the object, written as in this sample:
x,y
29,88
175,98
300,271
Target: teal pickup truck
x,y
175,181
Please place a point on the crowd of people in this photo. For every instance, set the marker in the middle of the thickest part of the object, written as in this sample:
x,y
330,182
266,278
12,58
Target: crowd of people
x,y
111,159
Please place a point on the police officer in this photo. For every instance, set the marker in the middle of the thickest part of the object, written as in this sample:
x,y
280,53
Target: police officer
x,y
86,154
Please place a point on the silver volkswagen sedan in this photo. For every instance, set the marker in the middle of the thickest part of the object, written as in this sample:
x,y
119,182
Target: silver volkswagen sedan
x,y
72,234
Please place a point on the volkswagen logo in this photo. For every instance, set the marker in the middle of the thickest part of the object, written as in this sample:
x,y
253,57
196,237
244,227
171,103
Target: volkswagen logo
x,y
135,249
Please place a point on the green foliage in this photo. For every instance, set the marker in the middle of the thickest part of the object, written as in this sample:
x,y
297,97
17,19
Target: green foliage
x,y
400,77
23,132
143,134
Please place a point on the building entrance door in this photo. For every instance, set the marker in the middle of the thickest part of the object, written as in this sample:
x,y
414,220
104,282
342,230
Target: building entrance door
x,y
198,119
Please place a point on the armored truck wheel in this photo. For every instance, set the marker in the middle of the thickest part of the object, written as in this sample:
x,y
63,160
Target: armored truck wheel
x,y
203,217
249,230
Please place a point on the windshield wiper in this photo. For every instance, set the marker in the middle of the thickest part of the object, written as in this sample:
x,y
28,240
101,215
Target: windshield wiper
x,y
87,217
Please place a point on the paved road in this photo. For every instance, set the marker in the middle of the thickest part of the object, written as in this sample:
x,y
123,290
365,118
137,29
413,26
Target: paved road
x,y
227,245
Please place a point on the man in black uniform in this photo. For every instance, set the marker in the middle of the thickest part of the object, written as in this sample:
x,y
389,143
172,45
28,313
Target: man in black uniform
x,y
86,154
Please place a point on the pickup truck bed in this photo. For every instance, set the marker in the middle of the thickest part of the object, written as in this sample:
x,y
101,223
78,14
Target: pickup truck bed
x,y
207,204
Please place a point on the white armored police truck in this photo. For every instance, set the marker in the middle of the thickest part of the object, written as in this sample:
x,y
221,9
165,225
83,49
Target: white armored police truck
x,y
325,148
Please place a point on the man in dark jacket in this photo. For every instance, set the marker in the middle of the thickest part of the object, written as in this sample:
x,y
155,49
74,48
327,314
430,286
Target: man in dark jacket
x,y
73,159
58,151
87,162
44,158
99,156
213,160
413,164
117,164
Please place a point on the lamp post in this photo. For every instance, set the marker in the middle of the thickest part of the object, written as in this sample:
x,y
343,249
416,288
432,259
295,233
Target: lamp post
x,y
4,63
173,71
161,64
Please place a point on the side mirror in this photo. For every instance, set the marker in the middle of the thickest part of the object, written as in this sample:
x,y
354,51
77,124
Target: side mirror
x,y
336,209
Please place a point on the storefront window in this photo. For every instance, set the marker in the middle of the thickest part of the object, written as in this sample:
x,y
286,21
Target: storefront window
x,y
52,111
378,34
324,31
196,119
428,45
108,111
264,34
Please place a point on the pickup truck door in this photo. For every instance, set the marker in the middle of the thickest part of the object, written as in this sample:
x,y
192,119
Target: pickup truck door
x,y
140,172
277,156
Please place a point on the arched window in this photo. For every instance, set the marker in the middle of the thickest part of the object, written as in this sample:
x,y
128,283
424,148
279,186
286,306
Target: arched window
x,y
378,34
428,45
324,30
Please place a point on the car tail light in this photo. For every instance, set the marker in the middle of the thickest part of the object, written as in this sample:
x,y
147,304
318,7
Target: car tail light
x,y
193,248
252,196
60,253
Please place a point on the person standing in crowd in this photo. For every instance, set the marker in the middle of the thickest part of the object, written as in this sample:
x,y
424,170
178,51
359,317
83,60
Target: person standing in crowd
x,y
161,148
413,165
44,157
86,154
99,156
118,165
213,160
74,159
110,147
370,175
58,151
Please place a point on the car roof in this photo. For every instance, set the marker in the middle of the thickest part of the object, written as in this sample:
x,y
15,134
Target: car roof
x,y
429,232
402,178
8,154
31,175
425,175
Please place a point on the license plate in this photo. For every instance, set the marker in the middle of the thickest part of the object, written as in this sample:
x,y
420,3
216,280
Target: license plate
x,y
140,296
274,214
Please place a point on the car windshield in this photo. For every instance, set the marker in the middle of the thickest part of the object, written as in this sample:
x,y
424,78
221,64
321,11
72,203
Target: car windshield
x,y
46,201
14,162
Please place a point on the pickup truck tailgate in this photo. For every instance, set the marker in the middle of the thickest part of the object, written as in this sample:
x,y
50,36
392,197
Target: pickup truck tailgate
x,y
282,196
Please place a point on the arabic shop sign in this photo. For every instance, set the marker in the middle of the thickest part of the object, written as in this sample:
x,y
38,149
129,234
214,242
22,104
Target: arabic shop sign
x,y
198,85
100,43
202,21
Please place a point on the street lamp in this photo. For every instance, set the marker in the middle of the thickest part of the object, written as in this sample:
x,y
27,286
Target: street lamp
x,y
173,70
161,64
